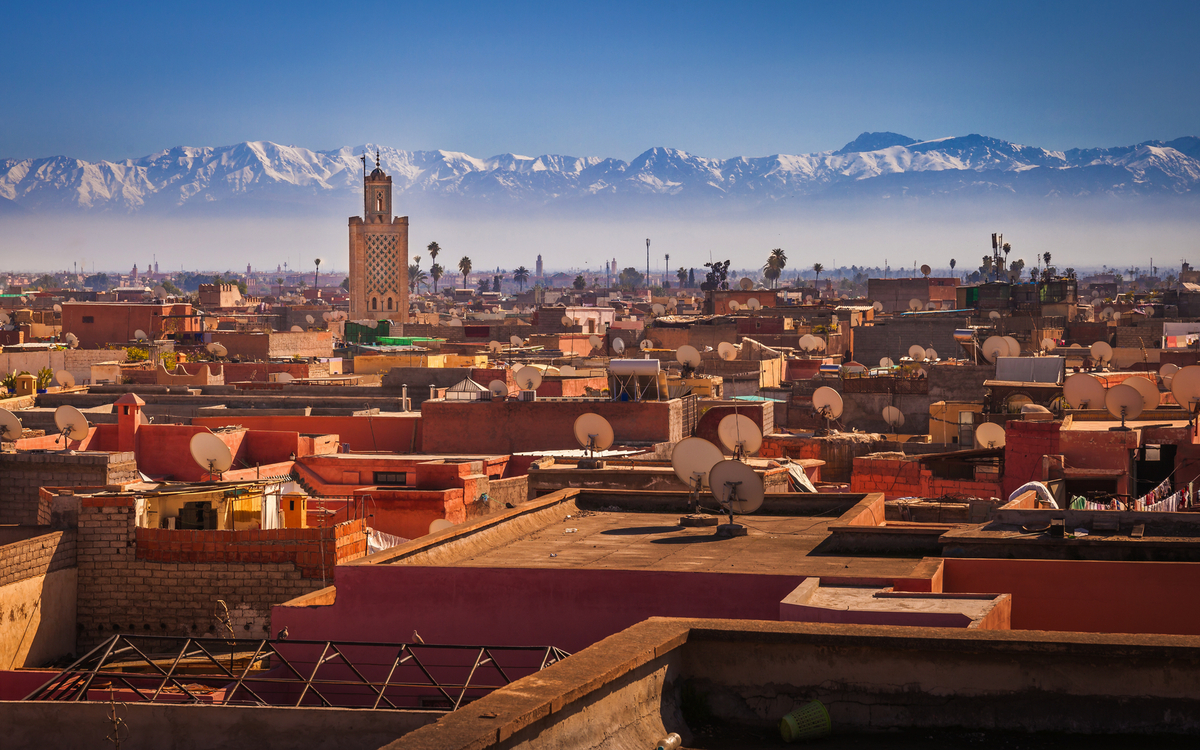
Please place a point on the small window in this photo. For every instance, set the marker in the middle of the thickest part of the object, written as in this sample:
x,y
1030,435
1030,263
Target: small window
x,y
391,477
374,303
89,319
291,504
389,303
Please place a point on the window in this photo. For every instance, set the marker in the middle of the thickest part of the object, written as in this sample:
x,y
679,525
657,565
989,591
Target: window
x,y
389,303
391,477
374,303
89,319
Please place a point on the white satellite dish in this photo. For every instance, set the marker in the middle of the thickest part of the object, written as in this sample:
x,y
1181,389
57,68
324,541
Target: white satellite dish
x,y
10,426
439,524
808,298
688,356
495,346
284,377
1082,391
71,423
566,370
1095,293
753,303
734,305
1101,352
1123,402
1014,346
916,352
297,329
739,435
657,309
926,270
160,291
915,304
57,308
646,345
4,319
994,315
515,340
595,341
931,305
737,487
989,435
528,378
618,344
64,378
1147,389
498,388
593,432
893,416
140,335
746,284
693,458
568,320
455,323
878,306
808,342
1168,369
931,355
886,362
211,453
326,316
993,347
1047,344
72,340
310,319
727,351
217,350
827,402
1185,386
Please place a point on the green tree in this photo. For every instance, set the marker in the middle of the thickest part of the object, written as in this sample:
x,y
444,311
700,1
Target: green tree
x,y
630,278
691,278
580,282
817,269
496,282
464,267
45,281
1046,258
345,284
433,249
484,285
521,275
682,275
416,277
435,273
99,281
953,263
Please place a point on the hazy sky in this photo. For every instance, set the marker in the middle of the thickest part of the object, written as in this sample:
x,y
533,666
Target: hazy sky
x,y
117,80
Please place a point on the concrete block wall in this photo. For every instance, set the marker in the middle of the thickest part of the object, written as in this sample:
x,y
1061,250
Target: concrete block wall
x,y
22,475
36,556
121,591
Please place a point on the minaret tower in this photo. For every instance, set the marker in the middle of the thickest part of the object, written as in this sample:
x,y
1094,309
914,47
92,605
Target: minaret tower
x,y
378,253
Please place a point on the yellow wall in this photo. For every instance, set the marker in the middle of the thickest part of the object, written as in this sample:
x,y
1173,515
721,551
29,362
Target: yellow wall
x,y
943,420
464,360
370,364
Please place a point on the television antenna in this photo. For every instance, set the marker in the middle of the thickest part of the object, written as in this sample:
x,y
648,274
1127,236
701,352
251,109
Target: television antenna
x,y
1124,402
828,404
737,489
528,378
893,416
64,378
739,435
71,424
10,426
727,351
692,459
1082,391
618,345
211,454
989,435
594,433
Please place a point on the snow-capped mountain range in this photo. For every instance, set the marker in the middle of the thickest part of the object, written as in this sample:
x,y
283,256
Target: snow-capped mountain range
x,y
260,174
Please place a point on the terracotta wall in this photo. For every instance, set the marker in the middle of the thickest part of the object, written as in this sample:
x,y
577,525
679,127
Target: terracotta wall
x,y
390,434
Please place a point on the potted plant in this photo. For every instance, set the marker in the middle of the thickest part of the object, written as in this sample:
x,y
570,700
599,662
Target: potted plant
x,y
44,378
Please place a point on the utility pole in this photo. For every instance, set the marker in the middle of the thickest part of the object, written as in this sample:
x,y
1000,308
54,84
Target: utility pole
x,y
667,268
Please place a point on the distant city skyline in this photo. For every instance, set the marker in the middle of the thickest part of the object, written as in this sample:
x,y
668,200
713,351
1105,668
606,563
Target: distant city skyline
x,y
723,79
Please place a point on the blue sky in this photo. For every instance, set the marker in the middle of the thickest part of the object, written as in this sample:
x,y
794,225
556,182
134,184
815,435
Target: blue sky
x,y
99,80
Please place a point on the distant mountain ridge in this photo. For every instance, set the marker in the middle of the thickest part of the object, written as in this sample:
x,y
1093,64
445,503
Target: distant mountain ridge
x,y
873,165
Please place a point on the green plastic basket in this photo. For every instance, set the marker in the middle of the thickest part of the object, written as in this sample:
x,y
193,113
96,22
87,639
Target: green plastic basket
x,y
809,722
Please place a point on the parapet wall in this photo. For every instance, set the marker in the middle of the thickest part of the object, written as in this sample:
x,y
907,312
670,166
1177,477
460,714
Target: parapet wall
x,y
36,556
23,474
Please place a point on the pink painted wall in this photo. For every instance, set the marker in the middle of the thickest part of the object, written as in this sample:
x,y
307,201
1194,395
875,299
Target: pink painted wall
x,y
390,434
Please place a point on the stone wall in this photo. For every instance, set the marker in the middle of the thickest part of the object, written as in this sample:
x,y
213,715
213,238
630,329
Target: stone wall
x,y
36,556
22,475
37,599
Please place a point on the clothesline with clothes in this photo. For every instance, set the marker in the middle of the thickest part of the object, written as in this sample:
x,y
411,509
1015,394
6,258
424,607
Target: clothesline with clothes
x,y
1161,499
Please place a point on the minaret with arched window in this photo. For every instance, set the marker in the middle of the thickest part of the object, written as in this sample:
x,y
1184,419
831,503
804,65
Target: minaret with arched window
x,y
378,253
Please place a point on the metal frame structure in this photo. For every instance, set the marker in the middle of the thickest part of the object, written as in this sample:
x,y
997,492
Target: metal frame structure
x,y
331,674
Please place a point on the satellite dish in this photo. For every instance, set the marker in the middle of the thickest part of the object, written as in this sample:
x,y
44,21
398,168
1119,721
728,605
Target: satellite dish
x,y
567,320
326,316
931,355
657,309
1185,386
915,304
593,432
1116,315
1095,293
516,340
646,345
284,377
1082,391
439,524
1123,402
893,416
993,347
71,423
734,305
886,362
739,435
297,329
495,346
216,349
160,291
833,319
931,305
808,342
693,458
1168,369
528,378
916,352
994,315
10,425
310,319
1101,351
140,335
727,351
753,303
1014,346
72,340
820,343
688,356
455,323
64,378
1107,313
211,453
926,270
746,284
1147,389
1047,344
566,370
57,307
989,435
878,306
4,319
498,388
736,486
595,341
618,344
808,298
827,402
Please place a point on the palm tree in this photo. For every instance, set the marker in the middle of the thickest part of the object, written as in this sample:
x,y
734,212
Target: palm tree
x,y
433,249
464,267
1046,257
953,263
435,273
521,275
416,277
772,271
317,273
817,269
682,275
580,282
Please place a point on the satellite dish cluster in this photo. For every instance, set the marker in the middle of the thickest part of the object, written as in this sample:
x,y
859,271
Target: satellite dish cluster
x,y
734,484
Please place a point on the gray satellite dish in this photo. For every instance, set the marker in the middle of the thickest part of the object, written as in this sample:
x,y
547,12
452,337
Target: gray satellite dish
x,y
217,350
657,309
10,426
994,315
567,320
738,489
618,344
827,402
886,362
1147,389
57,308
595,341
71,423
1185,387
753,303
1082,391
160,291
688,356
739,435
528,378
72,340
878,306
1123,402
140,335
692,458
915,304
310,319
746,284
211,453
515,340
495,346
734,305
926,270
498,388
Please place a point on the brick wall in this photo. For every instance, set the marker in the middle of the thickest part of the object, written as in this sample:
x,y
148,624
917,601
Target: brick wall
x,y
136,581
22,475
36,556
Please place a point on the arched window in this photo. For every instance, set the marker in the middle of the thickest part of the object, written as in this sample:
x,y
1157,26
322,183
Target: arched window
x,y
389,303
374,303
379,201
